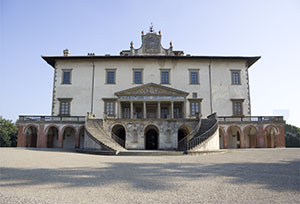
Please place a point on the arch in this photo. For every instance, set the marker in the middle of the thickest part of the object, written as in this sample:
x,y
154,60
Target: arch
x,y
52,136
182,132
28,126
50,126
67,126
119,131
69,133
31,132
270,128
250,133
221,137
234,137
271,133
151,133
81,136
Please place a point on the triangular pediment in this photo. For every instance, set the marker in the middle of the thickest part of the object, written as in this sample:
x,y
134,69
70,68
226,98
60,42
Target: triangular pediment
x,y
151,89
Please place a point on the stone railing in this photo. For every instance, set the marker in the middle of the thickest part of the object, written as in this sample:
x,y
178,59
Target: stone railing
x,y
198,140
250,118
183,142
33,118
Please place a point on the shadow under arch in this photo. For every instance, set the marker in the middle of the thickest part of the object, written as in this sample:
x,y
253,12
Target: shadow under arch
x,y
250,134
69,133
52,133
151,133
31,134
234,134
182,132
271,132
119,131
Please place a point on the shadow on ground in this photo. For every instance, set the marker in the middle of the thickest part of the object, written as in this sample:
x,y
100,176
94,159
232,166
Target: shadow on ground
x,y
283,176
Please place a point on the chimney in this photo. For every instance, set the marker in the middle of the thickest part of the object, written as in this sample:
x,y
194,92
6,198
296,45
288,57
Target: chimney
x,y
66,52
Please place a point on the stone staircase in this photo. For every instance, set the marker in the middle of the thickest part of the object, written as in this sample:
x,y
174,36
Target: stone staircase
x,y
94,129
208,127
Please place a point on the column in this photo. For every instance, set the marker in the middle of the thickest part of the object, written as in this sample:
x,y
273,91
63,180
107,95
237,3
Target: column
x,y
260,139
158,110
119,109
77,139
60,138
41,137
144,110
225,140
184,109
21,137
242,140
172,109
131,109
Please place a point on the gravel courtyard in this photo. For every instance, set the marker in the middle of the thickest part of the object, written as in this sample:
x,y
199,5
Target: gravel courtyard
x,y
239,176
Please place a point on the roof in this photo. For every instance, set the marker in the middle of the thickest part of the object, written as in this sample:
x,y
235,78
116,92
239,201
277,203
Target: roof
x,y
51,60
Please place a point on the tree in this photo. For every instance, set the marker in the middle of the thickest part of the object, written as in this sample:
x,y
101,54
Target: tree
x,y
292,136
8,133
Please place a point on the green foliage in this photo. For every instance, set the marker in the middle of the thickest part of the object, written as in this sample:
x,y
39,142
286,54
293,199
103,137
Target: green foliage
x,y
292,136
8,133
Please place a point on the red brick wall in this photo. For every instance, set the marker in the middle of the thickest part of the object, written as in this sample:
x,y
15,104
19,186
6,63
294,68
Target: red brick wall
x,y
21,137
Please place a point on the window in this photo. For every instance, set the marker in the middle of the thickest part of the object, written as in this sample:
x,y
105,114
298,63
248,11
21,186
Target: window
x,y
64,107
126,112
66,78
139,113
110,108
164,112
176,112
165,76
235,77
195,95
237,107
137,76
195,107
110,76
194,76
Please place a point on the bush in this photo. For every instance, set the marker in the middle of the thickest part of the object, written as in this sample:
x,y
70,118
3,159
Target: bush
x,y
8,133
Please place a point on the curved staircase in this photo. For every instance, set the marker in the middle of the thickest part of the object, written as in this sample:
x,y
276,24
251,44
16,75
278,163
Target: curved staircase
x,y
95,131
205,129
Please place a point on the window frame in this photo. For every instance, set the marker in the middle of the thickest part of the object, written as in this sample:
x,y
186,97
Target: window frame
x,y
106,75
161,76
134,70
197,74
241,101
110,100
64,100
63,76
195,100
233,81
164,112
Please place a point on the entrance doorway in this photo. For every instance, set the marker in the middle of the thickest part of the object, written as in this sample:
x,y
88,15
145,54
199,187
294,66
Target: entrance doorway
x,y
151,138
119,134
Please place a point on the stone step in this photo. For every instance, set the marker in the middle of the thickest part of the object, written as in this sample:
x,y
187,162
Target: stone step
x,y
97,152
150,153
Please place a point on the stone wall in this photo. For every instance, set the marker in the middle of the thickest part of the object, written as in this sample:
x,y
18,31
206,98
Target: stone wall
x,y
135,131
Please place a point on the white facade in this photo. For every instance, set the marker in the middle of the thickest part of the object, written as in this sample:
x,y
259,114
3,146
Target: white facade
x,y
222,90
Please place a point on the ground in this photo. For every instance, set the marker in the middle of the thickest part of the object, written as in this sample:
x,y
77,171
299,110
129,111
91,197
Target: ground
x,y
237,176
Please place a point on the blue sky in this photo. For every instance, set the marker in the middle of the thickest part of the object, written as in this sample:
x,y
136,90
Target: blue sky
x,y
33,28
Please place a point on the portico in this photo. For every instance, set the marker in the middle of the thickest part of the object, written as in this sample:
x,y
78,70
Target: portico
x,y
151,101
